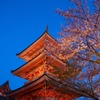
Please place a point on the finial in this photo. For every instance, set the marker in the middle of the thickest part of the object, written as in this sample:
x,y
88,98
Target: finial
x,y
46,29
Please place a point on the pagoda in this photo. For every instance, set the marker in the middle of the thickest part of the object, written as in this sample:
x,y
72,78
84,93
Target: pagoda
x,y
41,83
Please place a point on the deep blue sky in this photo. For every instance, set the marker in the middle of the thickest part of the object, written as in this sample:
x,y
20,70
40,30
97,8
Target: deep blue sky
x,y
21,23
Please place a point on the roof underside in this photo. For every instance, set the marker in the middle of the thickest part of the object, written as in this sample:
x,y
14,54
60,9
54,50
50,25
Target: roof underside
x,y
5,85
36,63
39,83
42,41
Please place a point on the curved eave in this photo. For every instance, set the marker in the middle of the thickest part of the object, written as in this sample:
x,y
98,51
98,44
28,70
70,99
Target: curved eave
x,y
36,62
6,84
38,84
27,66
31,85
21,54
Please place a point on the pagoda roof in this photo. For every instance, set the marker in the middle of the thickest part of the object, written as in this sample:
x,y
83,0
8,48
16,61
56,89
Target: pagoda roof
x,y
41,81
5,85
29,66
35,45
4,88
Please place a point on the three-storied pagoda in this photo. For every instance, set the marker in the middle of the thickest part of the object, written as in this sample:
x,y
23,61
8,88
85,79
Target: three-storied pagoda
x,y
42,83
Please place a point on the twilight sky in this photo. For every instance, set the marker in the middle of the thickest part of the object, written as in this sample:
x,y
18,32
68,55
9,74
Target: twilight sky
x,y
21,23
